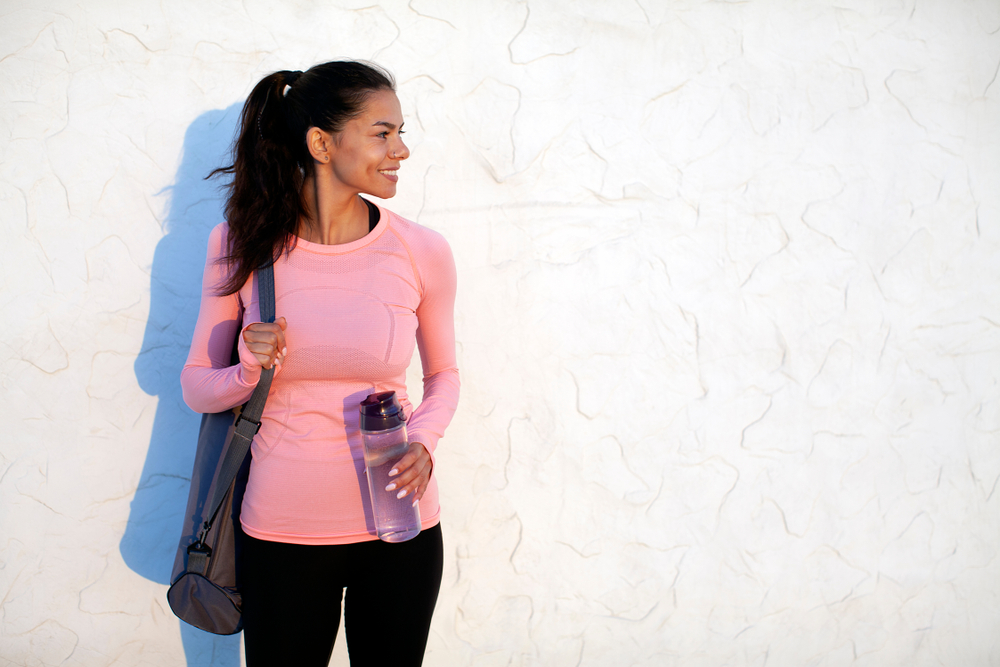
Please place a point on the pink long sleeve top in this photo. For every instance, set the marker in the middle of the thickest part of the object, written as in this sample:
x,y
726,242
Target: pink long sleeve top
x,y
354,312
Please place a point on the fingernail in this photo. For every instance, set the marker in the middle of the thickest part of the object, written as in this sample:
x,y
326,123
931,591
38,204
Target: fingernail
x,y
400,494
284,351
393,472
391,487
415,502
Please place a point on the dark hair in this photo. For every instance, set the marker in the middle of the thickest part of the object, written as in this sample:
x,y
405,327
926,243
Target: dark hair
x,y
271,159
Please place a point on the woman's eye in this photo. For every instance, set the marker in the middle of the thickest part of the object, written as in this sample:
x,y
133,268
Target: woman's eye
x,y
383,134
402,131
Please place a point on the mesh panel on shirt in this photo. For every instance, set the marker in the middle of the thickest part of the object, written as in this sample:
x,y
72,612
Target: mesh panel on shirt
x,y
330,363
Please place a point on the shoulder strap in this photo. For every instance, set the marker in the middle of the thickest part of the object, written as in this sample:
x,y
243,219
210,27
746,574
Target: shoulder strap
x,y
248,422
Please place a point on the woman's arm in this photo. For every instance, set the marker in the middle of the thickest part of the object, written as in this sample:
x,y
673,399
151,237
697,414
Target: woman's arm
x,y
208,382
436,342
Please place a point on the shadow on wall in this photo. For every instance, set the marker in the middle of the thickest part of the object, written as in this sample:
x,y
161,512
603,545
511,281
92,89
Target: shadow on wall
x,y
157,510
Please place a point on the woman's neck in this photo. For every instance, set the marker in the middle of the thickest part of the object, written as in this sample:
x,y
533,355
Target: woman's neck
x,y
335,216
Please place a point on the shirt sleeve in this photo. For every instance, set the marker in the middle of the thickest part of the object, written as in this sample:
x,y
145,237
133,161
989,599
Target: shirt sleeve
x,y
436,342
208,382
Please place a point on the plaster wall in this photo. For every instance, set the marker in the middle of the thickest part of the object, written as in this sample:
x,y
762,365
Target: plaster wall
x,y
728,319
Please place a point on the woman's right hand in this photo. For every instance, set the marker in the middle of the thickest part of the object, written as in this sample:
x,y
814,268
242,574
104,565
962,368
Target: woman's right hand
x,y
267,342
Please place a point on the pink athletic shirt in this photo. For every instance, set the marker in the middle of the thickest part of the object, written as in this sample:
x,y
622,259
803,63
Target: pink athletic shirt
x,y
354,312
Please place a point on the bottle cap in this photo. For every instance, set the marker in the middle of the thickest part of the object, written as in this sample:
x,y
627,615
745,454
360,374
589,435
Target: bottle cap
x,y
381,412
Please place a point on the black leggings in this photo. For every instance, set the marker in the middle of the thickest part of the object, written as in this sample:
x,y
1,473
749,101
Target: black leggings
x,y
292,592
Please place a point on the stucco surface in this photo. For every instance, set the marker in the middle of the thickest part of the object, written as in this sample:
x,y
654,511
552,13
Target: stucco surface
x,y
728,319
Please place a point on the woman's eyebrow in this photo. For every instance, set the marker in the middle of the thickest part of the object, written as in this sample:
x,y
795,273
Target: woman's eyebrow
x,y
385,123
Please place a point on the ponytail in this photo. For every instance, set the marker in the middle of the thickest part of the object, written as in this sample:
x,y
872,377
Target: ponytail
x,y
271,160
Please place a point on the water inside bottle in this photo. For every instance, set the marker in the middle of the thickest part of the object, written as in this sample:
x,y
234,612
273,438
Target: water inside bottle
x,y
396,519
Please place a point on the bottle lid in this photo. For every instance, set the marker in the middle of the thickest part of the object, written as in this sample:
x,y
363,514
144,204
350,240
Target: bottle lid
x,y
381,412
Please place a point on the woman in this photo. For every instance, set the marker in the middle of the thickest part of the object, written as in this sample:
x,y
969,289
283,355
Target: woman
x,y
356,286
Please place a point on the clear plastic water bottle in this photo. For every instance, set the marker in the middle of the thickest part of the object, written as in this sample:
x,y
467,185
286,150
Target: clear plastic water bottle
x,y
383,431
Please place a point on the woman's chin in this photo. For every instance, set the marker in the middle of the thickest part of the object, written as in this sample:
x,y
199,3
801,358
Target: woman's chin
x,y
383,191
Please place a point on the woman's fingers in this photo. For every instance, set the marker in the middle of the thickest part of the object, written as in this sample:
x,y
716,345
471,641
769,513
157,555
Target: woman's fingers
x,y
412,473
413,484
267,342
264,355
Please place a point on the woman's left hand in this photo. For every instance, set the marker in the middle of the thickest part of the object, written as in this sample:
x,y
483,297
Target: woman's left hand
x,y
412,473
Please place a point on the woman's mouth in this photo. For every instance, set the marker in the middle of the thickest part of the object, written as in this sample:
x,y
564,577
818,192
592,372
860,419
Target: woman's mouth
x,y
390,174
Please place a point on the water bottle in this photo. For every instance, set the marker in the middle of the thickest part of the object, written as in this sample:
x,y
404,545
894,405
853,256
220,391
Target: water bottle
x,y
383,431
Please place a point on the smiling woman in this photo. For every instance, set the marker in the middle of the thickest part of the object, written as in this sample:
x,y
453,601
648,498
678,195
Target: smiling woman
x,y
356,286
362,157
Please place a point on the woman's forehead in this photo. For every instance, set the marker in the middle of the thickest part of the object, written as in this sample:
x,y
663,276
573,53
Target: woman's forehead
x,y
382,105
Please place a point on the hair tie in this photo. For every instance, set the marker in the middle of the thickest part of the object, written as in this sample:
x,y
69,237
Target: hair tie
x,y
290,79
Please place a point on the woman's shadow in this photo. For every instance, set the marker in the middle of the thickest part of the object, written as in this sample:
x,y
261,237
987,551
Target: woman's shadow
x,y
157,511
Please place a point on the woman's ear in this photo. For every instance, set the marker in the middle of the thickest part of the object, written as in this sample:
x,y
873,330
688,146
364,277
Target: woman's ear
x,y
320,144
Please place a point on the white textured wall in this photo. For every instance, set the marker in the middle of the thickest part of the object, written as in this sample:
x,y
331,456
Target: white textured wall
x,y
728,320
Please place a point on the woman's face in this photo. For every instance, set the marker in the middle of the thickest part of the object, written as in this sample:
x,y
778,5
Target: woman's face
x,y
367,152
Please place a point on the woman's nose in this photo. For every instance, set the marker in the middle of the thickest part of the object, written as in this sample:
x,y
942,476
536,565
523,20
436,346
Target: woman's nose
x,y
400,151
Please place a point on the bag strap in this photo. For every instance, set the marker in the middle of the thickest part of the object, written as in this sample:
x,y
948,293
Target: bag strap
x,y
248,421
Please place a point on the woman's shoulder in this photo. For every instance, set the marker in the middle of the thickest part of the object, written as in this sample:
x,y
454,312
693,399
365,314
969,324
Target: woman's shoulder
x,y
220,232
428,249
418,236
218,239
